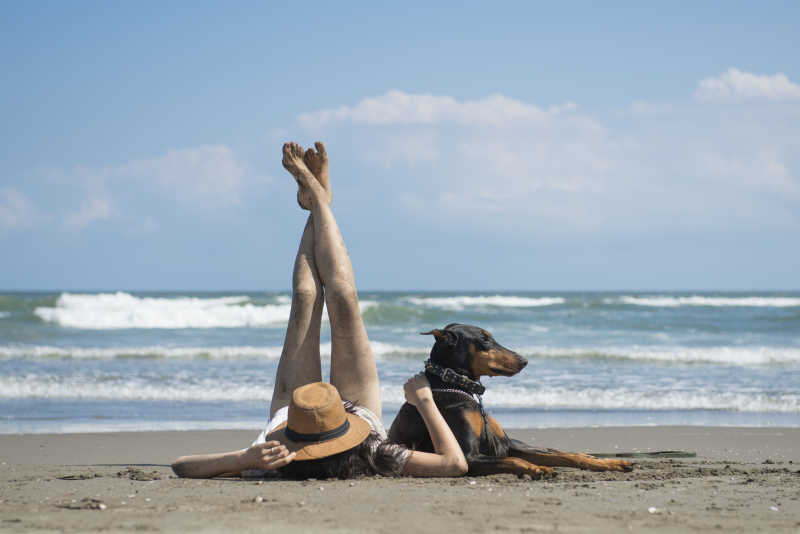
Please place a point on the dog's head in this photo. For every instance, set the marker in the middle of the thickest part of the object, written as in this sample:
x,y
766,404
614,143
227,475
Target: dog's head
x,y
474,352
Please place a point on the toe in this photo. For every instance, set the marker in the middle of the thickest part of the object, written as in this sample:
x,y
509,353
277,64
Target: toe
x,y
288,153
321,149
309,158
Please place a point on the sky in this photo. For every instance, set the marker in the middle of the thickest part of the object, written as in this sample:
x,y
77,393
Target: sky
x,y
473,145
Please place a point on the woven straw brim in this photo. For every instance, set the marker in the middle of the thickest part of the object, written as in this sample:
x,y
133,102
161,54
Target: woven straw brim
x,y
358,432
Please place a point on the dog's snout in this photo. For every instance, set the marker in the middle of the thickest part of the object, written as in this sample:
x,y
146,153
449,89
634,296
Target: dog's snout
x,y
515,359
520,362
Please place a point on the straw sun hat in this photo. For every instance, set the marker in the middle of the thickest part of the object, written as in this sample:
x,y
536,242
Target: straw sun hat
x,y
318,425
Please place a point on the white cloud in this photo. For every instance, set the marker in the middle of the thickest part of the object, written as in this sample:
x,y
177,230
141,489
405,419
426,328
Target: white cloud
x,y
764,170
736,84
95,208
498,161
204,177
418,146
397,107
16,209
497,151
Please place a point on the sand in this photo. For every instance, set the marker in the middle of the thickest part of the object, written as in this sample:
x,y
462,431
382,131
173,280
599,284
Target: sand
x,y
742,480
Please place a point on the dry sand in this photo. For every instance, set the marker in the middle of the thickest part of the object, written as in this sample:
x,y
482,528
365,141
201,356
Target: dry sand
x,y
743,480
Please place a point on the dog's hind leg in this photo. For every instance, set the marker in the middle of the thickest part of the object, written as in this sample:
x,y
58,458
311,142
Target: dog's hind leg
x,y
491,465
556,458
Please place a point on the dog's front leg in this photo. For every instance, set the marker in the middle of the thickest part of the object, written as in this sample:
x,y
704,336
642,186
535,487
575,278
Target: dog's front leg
x,y
490,465
409,429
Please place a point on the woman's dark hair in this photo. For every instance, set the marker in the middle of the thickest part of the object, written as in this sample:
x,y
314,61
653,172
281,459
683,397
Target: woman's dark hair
x,y
372,456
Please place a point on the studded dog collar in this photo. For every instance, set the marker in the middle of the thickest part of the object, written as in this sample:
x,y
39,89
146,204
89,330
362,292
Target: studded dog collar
x,y
457,379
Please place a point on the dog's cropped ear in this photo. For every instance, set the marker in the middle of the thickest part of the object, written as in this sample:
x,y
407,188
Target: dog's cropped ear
x,y
445,336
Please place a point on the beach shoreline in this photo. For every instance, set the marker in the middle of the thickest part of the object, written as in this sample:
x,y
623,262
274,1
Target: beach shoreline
x,y
741,479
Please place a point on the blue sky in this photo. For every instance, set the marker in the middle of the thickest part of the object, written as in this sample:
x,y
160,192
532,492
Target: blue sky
x,y
473,146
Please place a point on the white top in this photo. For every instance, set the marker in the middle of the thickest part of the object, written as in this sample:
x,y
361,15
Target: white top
x,y
282,415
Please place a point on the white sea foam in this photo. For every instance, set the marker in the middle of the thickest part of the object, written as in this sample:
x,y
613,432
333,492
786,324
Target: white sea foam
x,y
499,301
723,355
612,399
123,310
130,388
379,349
87,387
71,427
227,352
696,300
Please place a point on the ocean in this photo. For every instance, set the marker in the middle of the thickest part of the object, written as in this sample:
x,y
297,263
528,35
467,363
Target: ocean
x,y
137,361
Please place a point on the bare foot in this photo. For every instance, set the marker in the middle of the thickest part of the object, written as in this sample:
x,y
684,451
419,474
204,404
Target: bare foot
x,y
317,163
310,188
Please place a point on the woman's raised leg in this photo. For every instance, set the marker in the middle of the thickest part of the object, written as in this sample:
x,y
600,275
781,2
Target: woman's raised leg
x,y
353,369
300,359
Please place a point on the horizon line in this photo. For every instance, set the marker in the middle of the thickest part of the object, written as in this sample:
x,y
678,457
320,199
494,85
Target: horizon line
x,y
412,290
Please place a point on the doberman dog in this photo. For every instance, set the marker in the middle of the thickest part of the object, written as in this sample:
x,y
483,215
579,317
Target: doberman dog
x,y
460,356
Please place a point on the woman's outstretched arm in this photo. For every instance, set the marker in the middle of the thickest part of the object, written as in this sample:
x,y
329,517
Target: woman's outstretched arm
x,y
269,455
448,460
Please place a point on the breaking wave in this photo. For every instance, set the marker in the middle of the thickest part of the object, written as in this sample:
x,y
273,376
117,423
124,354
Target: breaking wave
x,y
379,349
107,311
499,301
721,355
610,399
673,302
85,387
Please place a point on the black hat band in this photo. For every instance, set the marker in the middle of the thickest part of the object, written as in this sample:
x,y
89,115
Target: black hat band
x,y
319,436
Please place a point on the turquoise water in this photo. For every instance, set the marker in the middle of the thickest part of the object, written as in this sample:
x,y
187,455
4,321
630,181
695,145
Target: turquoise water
x,y
145,361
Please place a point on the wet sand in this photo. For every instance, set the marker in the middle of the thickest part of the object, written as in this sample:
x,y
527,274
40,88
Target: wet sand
x,y
742,480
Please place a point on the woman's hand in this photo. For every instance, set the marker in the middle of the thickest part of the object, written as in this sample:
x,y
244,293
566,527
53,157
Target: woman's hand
x,y
418,390
269,455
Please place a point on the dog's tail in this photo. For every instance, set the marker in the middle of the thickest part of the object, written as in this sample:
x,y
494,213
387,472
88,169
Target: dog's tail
x,y
521,446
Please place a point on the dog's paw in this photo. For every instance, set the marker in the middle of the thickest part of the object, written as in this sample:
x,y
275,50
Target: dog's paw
x,y
537,472
622,466
596,464
625,466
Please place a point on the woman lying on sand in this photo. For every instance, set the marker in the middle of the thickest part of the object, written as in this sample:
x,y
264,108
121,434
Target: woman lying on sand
x,y
311,432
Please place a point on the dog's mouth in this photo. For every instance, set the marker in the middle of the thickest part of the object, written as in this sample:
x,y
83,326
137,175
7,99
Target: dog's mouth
x,y
508,364
503,371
